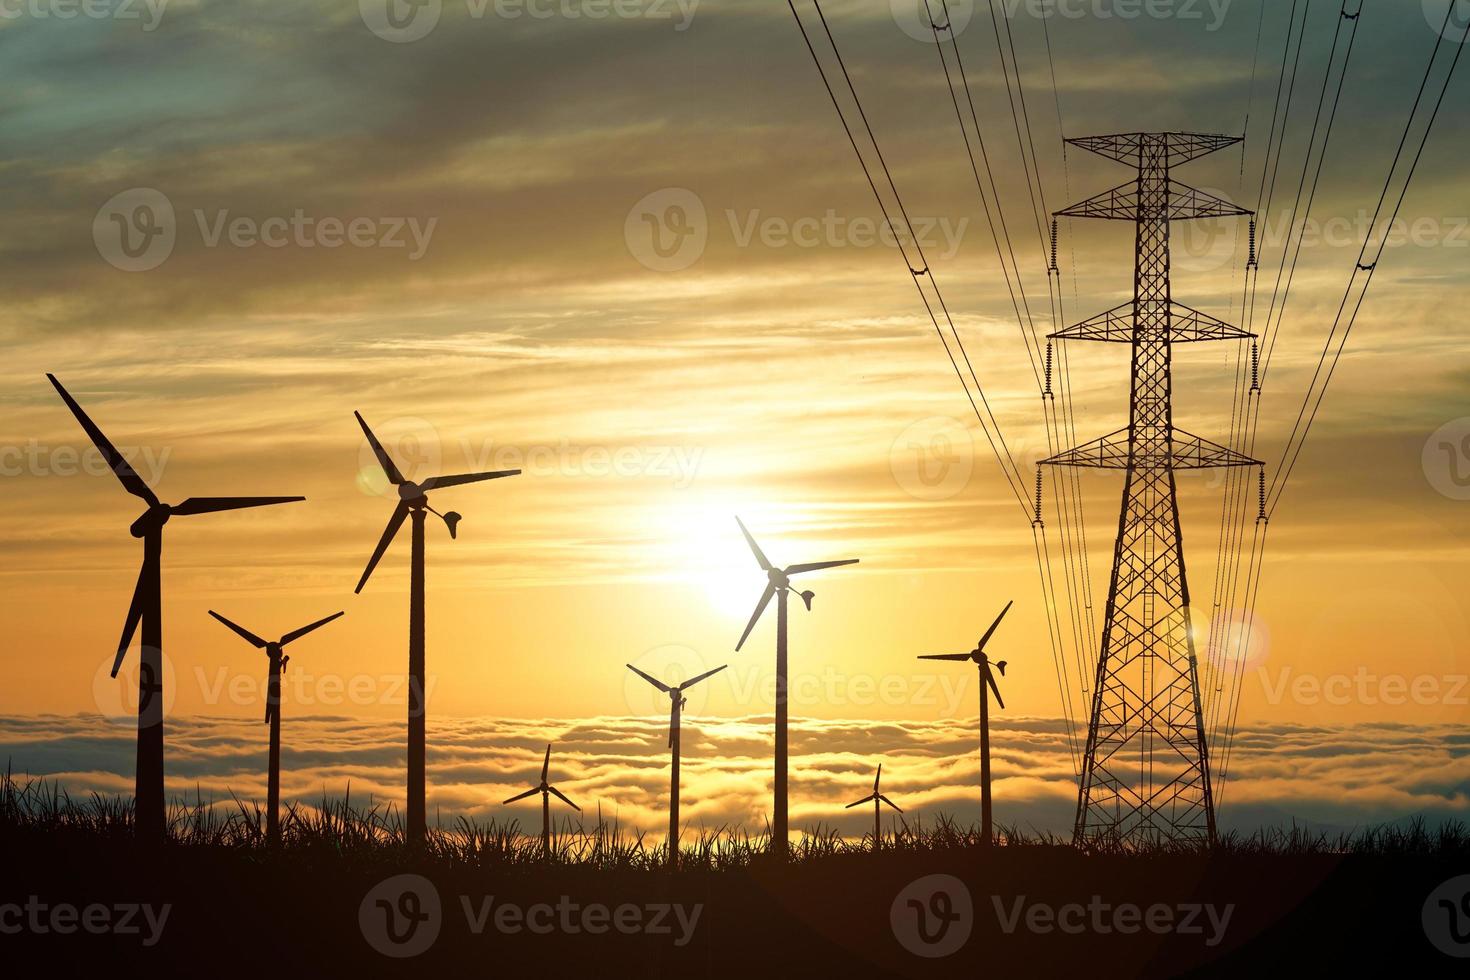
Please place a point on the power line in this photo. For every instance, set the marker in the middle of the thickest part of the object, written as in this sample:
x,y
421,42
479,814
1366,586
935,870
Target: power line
x,y
1234,516
1354,19
1299,430
1023,322
996,440
1295,441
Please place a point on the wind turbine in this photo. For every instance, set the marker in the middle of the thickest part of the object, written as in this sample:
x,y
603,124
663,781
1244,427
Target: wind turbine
x,y
778,584
876,798
987,685
146,610
676,708
278,661
413,502
546,790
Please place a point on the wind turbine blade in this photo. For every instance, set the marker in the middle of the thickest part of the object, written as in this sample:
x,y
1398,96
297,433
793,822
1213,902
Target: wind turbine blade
x,y
695,680
384,460
245,634
522,796
559,795
298,634
990,679
130,625
212,505
760,607
866,799
993,625
124,471
760,556
546,765
890,803
655,682
945,656
439,482
877,777
812,566
394,523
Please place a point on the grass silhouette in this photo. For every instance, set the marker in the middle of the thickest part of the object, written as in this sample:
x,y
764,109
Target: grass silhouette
x,y
375,832
825,909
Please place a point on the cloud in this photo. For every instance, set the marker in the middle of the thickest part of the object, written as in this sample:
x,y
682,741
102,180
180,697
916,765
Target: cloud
x,y
1328,777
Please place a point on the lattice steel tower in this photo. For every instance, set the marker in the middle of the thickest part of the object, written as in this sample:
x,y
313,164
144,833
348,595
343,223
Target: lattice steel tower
x,y
1147,771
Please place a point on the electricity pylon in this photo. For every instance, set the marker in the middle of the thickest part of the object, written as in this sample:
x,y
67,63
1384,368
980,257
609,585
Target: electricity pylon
x,y
1146,777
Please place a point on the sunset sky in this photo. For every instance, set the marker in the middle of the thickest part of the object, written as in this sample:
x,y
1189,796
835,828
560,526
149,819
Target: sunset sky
x,y
526,319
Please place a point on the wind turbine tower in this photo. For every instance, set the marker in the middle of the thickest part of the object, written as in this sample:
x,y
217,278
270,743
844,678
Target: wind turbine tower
x,y
877,799
778,586
146,610
278,659
987,669
677,701
413,504
547,791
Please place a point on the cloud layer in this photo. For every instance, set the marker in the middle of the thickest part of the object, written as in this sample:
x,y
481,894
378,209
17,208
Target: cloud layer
x,y
1329,777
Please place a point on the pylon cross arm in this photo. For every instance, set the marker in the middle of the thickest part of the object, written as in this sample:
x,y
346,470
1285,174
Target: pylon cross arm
x,y
1186,325
1175,148
1179,202
1186,452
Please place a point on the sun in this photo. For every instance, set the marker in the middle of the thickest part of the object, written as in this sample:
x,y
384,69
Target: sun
x,y
702,545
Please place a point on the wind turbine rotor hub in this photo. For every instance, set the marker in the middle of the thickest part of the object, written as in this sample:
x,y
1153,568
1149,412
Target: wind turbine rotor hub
x,y
154,517
412,493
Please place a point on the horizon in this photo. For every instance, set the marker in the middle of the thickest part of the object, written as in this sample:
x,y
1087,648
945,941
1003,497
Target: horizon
x,y
1315,777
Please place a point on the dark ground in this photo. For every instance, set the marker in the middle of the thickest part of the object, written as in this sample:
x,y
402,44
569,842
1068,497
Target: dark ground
x,y
241,913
